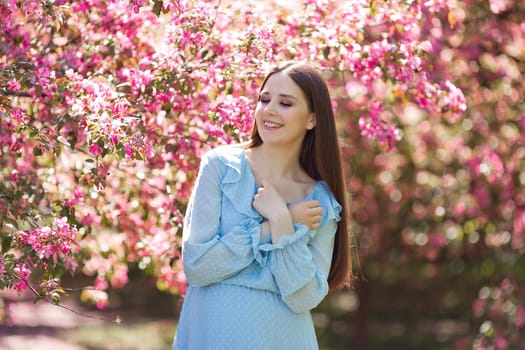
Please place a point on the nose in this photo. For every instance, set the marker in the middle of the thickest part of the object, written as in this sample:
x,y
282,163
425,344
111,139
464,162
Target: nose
x,y
269,108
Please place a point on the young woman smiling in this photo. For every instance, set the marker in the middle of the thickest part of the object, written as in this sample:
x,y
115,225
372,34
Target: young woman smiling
x,y
265,235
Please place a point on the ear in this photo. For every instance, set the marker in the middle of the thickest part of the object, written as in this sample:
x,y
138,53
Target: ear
x,y
312,120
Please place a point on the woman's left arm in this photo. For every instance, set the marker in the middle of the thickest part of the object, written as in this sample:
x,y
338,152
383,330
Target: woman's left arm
x,y
300,266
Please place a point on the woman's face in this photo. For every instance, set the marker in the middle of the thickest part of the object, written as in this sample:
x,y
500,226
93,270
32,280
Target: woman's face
x,y
282,114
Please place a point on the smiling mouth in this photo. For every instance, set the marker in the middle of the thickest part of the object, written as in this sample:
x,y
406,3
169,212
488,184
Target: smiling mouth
x,y
272,125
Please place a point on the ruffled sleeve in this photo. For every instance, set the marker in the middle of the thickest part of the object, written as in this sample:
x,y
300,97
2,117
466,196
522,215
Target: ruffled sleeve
x,y
207,256
300,263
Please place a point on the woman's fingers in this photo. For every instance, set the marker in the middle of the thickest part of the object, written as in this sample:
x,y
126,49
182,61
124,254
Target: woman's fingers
x,y
316,211
312,203
316,220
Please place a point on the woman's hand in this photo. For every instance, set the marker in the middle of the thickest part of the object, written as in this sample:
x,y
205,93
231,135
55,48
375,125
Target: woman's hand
x,y
307,213
269,203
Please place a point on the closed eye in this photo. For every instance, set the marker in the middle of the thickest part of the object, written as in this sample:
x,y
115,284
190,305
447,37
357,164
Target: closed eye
x,y
264,99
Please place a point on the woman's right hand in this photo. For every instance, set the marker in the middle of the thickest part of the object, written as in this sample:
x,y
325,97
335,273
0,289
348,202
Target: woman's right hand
x,y
269,203
308,213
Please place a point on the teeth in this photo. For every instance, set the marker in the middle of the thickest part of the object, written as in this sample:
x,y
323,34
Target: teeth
x,y
272,125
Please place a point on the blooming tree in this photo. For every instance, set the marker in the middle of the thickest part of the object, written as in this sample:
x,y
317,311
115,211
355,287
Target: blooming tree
x,y
106,107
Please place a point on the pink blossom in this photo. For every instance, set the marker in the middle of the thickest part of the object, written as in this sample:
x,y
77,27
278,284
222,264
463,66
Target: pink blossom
x,y
500,343
482,195
425,46
436,5
173,278
119,108
52,243
498,6
236,111
222,22
13,85
136,5
488,164
438,240
22,283
454,100
372,126
150,151
129,150
181,282
101,283
459,210
119,277
19,116
478,306
97,297
95,150
101,302
76,198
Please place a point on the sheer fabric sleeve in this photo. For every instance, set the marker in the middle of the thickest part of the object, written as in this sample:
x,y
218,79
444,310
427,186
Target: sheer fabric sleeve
x,y
209,257
300,263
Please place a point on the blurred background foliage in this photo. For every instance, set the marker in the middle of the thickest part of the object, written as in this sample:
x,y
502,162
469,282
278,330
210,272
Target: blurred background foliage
x,y
440,219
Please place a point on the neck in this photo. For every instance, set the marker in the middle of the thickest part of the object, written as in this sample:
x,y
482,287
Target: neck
x,y
274,162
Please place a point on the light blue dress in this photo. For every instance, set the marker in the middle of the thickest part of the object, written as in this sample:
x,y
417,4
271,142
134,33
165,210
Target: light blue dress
x,y
245,292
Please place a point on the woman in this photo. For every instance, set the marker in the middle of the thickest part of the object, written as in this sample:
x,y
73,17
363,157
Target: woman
x,y
265,234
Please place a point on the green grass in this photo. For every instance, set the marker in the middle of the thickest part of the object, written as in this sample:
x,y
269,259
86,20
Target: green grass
x,y
141,335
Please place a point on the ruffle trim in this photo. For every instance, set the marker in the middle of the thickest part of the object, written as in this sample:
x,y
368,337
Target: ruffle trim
x,y
334,208
232,184
253,228
302,232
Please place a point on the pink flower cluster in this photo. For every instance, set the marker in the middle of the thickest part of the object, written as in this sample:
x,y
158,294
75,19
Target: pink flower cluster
x,y
46,247
77,197
22,272
105,116
373,126
172,281
236,111
454,101
488,165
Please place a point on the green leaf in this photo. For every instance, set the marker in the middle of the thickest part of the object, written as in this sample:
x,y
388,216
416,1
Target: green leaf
x,y
6,243
326,52
38,90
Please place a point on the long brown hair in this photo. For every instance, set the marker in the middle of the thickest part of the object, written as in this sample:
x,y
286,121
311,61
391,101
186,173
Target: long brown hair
x,y
320,157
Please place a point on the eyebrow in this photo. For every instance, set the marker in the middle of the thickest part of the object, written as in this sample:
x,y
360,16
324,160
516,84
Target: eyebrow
x,y
281,95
